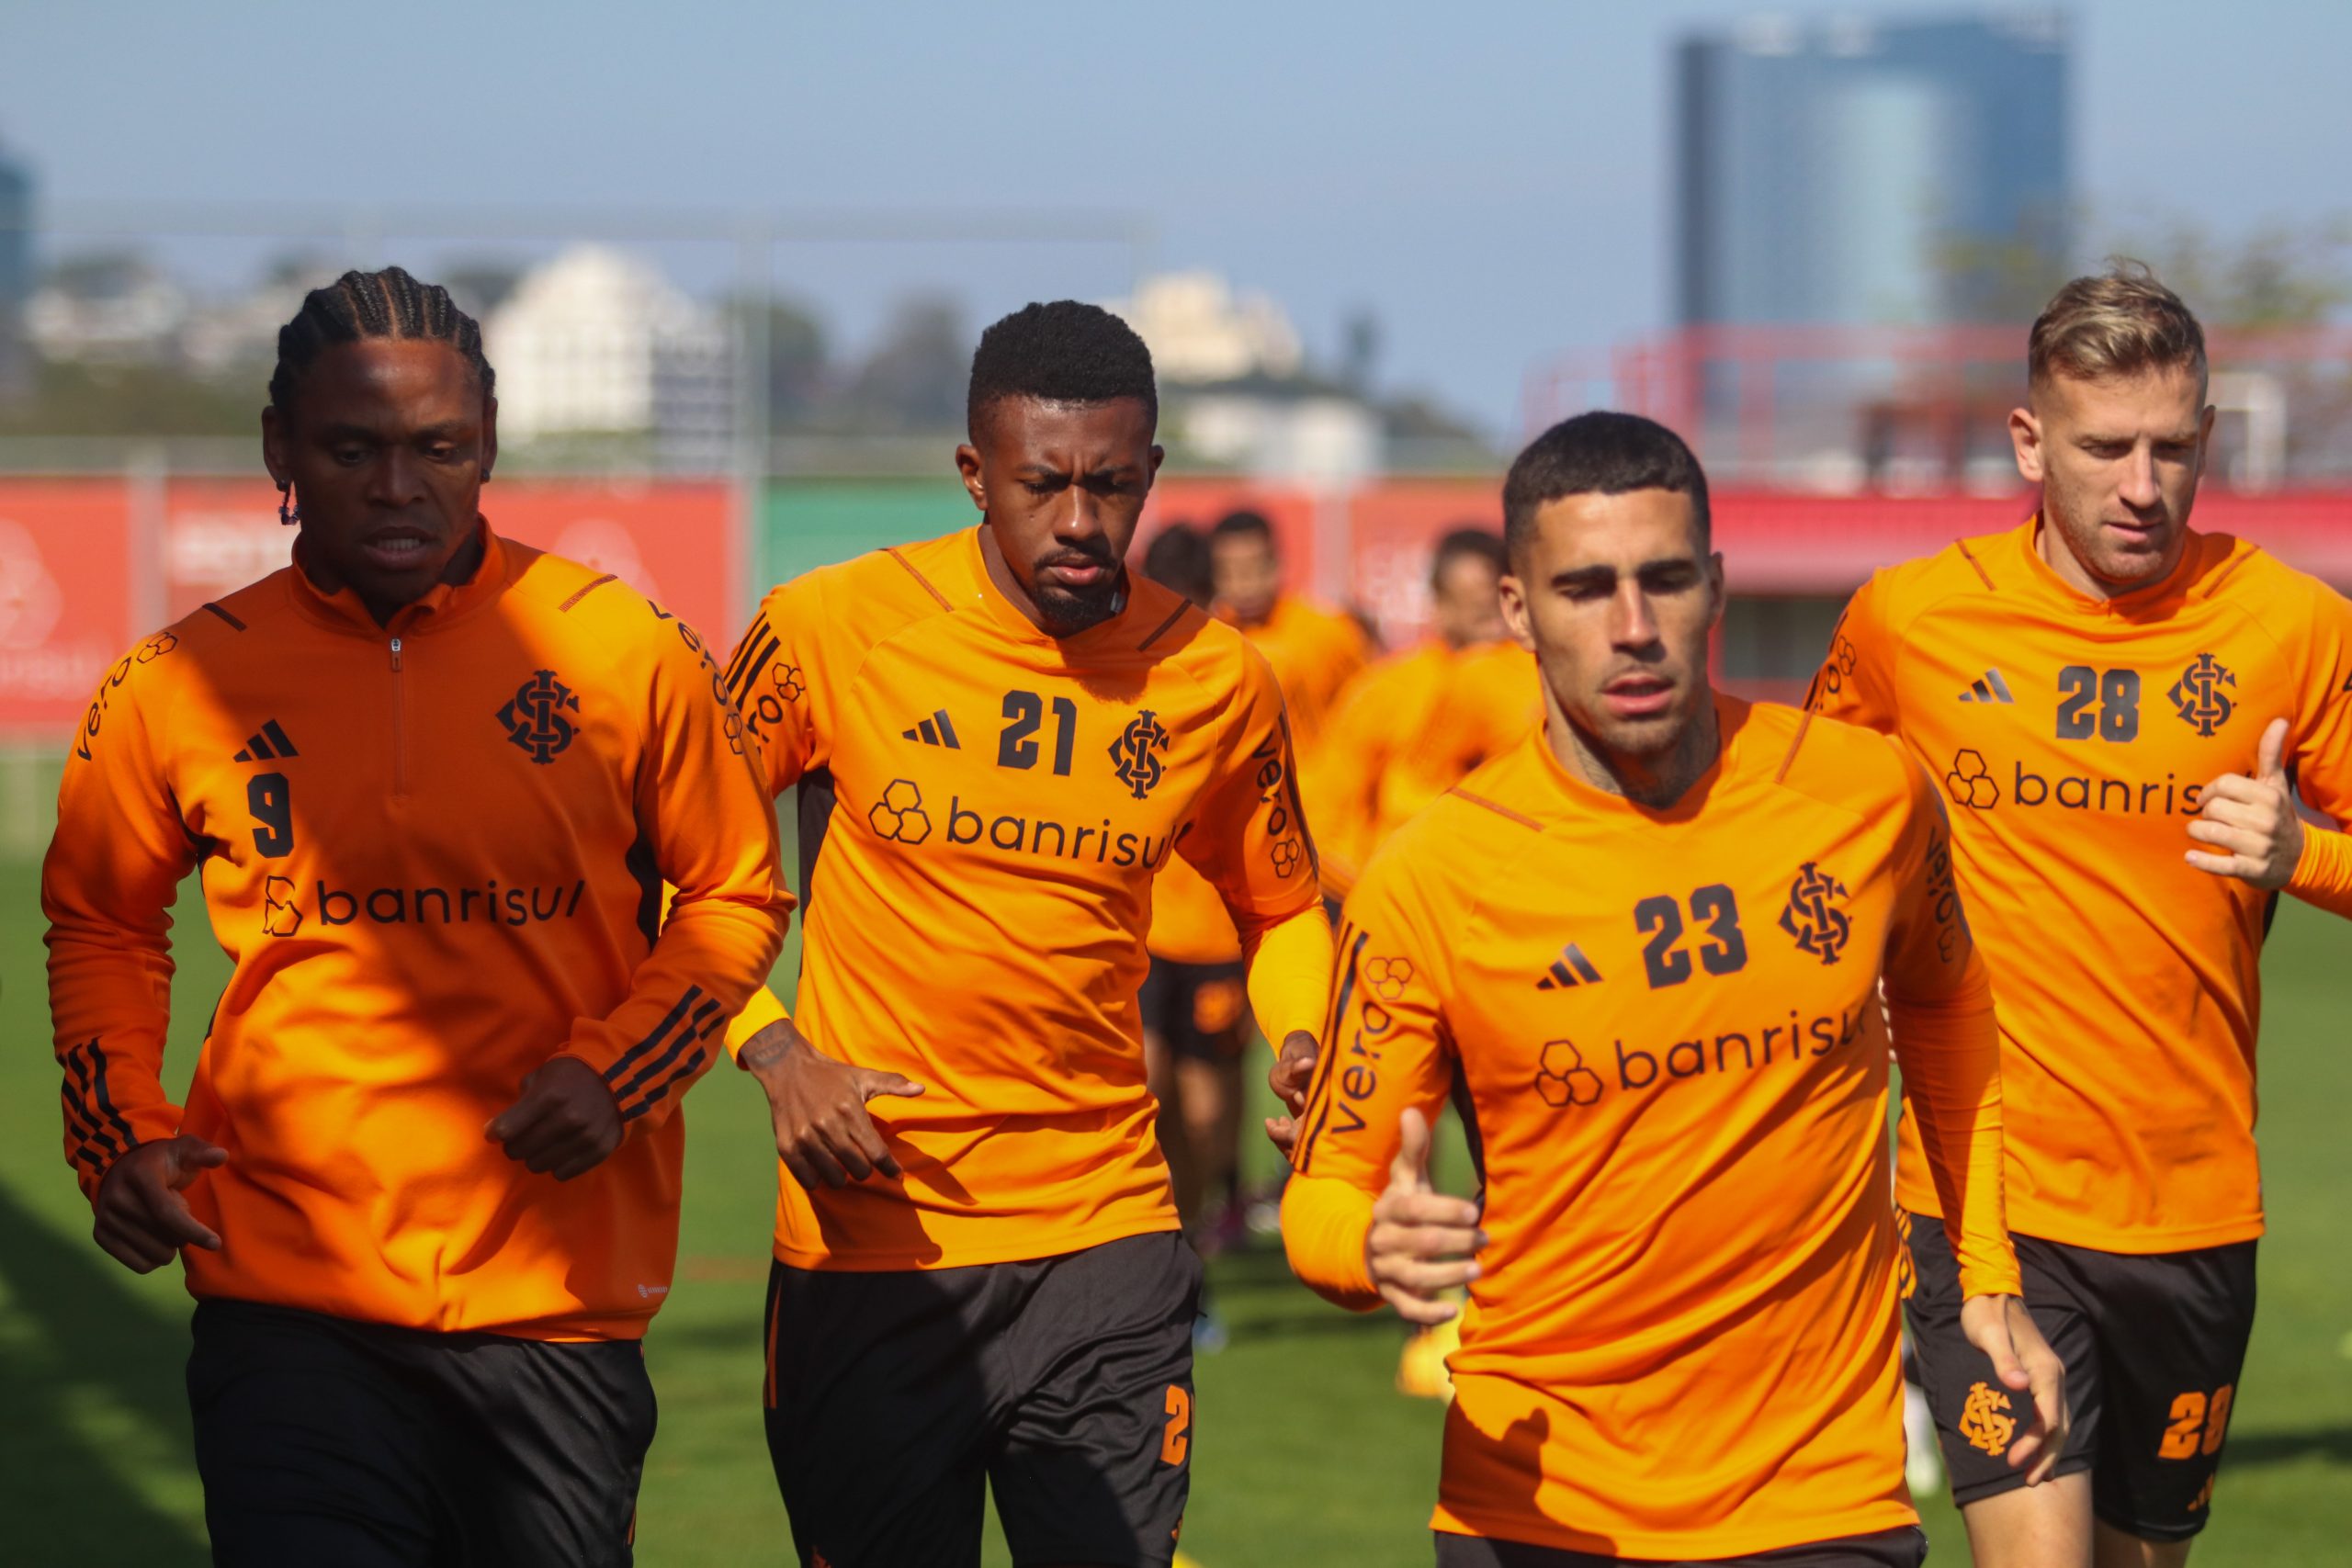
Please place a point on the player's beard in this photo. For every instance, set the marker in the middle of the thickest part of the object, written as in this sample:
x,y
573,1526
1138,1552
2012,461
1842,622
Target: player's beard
x,y
2104,557
1067,611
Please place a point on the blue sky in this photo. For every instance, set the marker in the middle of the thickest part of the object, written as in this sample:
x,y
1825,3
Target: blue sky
x,y
1490,179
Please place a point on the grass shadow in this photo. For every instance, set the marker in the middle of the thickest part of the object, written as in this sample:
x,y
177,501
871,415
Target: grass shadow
x,y
81,1349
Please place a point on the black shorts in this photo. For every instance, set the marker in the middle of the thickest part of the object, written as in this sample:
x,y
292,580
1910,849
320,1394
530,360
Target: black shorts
x,y
2153,1345
1903,1548
1201,1009
321,1440
1064,1385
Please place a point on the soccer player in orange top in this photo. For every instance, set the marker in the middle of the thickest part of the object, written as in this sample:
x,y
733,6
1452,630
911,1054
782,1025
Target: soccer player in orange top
x,y
2119,709
1194,1003
1315,651
426,1183
1395,744
998,737
1644,952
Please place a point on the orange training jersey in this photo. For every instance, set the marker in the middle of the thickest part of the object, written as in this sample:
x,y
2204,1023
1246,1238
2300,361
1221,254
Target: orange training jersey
x,y
1314,653
435,853
1189,924
983,808
2072,735
1682,1343
1409,728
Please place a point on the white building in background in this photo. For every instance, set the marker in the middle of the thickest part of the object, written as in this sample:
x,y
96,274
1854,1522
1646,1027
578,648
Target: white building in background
x,y
1199,331
596,340
108,310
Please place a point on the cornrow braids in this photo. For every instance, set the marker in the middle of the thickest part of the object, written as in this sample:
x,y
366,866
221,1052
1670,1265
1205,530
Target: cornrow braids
x,y
386,304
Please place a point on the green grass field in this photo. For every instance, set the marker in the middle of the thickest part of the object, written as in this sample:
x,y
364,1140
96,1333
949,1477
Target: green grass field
x,y
1304,1454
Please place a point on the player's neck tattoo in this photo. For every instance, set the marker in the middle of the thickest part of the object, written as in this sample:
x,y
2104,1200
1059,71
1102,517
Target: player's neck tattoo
x,y
1655,782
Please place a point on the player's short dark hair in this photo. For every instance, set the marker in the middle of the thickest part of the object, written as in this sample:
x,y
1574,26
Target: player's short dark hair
x,y
1065,352
1599,453
386,304
1244,524
1469,542
1178,558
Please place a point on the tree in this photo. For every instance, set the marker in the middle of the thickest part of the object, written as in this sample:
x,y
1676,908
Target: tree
x,y
797,355
917,376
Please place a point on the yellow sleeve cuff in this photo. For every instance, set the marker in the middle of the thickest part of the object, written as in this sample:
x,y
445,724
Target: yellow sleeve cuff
x,y
2324,872
1325,1223
758,1013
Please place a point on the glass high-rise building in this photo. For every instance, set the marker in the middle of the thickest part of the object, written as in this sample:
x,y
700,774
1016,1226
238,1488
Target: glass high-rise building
x,y
1862,172
16,269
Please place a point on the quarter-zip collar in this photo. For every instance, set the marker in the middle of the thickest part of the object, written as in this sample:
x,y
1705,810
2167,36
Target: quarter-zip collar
x,y
442,605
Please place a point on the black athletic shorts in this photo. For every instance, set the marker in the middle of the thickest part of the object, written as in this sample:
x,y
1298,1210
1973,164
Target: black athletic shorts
x,y
1064,1385
1903,1548
2153,1345
325,1440
1201,1009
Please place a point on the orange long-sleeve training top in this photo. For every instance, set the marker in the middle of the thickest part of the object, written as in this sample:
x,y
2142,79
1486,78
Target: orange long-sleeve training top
x,y
1659,1027
984,809
435,853
2073,737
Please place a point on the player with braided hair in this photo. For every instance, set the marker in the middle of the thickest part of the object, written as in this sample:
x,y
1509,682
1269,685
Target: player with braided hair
x,y
425,1182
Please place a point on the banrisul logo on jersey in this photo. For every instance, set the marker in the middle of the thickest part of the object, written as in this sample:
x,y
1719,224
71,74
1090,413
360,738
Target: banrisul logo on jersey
x,y
2096,730
314,906
906,814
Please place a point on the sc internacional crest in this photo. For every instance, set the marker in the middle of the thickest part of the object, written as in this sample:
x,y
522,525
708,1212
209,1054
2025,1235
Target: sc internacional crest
x,y
535,718
1134,755
1815,915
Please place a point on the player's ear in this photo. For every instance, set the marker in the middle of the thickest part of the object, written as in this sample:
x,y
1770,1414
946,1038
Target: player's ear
x,y
1514,603
2025,439
489,437
1715,593
274,441
968,463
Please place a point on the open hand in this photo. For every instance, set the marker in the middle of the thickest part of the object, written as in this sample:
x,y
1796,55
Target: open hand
x,y
824,1134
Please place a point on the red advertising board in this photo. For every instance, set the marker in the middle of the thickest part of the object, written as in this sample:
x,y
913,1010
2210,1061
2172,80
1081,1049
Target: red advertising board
x,y
68,599
672,542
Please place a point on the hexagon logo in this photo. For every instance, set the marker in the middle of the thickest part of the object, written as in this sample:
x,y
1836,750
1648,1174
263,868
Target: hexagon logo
x,y
1563,1080
1971,783
1387,978
899,816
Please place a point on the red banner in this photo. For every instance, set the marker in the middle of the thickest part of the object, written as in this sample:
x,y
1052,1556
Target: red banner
x,y
1202,502
69,605
672,542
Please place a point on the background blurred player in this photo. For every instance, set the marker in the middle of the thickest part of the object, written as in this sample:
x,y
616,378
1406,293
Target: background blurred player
x,y
428,1175
1642,950
1315,651
1195,1004
1389,751
2120,709
998,737
1409,728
